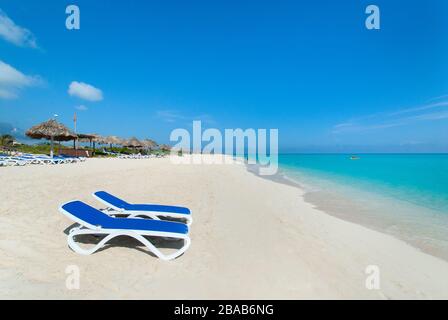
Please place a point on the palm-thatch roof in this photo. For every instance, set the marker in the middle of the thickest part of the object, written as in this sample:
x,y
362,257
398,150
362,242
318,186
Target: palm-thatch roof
x,y
133,143
51,130
113,140
101,139
122,141
148,143
87,137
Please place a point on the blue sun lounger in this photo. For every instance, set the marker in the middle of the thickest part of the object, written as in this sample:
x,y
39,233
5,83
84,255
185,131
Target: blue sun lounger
x,y
95,222
117,206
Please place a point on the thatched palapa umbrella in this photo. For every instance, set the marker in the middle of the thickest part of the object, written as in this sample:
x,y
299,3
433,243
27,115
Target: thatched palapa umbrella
x,y
113,140
90,138
101,139
51,130
149,144
121,141
133,143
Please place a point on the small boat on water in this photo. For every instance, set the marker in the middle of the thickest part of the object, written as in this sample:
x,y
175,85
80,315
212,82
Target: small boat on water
x,y
354,158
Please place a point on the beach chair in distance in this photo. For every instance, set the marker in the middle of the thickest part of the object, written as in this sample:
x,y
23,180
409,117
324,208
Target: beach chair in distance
x,y
117,206
13,161
95,222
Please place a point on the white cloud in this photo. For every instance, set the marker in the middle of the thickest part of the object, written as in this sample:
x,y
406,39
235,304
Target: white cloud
x,y
5,94
172,116
15,34
431,116
420,108
85,91
445,96
81,108
398,118
13,77
12,80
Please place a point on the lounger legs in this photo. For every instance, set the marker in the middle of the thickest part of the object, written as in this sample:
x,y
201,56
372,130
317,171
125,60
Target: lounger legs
x,y
81,231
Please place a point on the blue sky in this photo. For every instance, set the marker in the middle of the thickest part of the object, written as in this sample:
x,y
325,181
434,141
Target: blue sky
x,y
309,68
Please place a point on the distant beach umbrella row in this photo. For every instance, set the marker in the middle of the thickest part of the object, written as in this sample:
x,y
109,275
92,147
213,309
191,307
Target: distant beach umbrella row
x,y
55,131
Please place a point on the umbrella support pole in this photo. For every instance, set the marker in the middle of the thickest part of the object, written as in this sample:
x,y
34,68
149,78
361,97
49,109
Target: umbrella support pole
x,y
51,148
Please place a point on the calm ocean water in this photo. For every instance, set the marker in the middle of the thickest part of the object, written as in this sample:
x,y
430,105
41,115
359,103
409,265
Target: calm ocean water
x,y
405,195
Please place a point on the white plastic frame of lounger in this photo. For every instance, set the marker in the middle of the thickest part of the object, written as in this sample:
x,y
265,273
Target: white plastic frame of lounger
x,y
14,162
113,210
86,228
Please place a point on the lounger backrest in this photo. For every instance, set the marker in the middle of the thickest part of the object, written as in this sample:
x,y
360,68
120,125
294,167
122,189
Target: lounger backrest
x,y
114,201
85,214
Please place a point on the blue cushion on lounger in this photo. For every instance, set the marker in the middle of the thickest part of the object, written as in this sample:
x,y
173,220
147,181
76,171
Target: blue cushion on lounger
x,y
94,217
117,202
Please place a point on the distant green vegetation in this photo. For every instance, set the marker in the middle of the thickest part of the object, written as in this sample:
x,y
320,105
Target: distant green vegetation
x,y
99,151
44,148
35,148
6,140
7,144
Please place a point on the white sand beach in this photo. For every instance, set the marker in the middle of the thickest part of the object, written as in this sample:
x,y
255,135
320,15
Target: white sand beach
x,y
252,238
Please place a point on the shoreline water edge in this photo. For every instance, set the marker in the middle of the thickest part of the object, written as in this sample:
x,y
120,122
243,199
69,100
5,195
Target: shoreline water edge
x,y
369,209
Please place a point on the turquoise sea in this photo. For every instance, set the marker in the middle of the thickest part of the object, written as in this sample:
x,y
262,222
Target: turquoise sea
x,y
405,195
